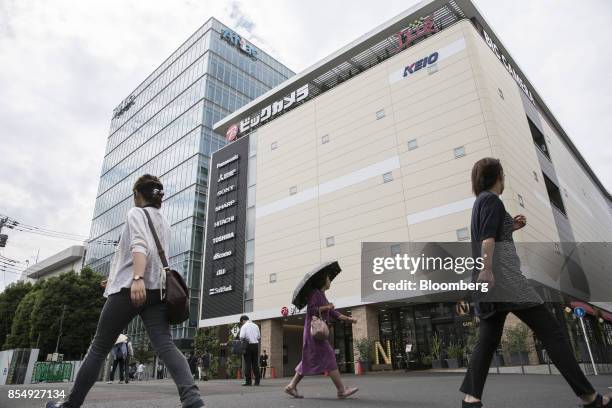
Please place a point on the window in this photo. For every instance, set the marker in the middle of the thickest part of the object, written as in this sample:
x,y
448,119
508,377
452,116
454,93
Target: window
x,y
330,241
380,114
538,138
462,234
387,177
501,94
521,201
432,69
272,277
554,195
459,152
395,249
412,144
292,190
324,139
274,146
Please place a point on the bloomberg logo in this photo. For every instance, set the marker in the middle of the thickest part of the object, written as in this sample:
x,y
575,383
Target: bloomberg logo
x,y
239,42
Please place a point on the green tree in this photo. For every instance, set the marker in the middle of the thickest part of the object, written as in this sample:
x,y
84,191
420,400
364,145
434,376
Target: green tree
x,y
9,301
206,340
143,351
82,297
20,336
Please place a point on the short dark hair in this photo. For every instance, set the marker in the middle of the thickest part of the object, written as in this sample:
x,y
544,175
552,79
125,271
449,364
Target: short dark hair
x,y
244,318
485,174
150,188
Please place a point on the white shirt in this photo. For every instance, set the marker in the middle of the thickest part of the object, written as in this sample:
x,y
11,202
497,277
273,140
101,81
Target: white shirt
x,y
250,332
137,237
141,368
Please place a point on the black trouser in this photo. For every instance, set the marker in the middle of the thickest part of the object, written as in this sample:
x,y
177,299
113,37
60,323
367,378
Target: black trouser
x,y
127,369
263,372
546,328
251,362
117,312
121,363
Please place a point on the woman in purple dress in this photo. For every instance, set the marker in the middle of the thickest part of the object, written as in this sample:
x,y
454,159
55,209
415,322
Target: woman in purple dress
x,y
318,356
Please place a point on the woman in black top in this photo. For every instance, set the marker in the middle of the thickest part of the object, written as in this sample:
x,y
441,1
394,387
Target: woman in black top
x,y
492,229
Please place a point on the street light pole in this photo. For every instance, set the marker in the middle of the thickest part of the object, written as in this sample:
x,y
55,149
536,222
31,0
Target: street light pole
x,y
59,334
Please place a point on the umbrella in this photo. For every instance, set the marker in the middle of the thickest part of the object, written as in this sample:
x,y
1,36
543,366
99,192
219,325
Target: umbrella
x,y
121,339
303,289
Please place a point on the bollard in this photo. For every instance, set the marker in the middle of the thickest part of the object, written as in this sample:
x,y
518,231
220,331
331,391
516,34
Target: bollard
x,y
273,372
238,374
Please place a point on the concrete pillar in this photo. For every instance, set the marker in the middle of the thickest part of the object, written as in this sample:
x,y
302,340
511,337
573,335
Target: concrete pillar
x,y
272,341
366,326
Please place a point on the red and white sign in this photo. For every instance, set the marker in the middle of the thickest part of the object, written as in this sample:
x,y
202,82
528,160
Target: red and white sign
x,y
231,133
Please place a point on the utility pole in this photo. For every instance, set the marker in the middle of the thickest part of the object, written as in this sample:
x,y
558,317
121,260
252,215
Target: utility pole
x,y
59,334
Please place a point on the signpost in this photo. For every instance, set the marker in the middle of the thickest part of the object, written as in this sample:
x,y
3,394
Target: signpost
x,y
580,312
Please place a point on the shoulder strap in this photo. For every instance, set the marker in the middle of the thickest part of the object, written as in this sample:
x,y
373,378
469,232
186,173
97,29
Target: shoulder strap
x,y
160,250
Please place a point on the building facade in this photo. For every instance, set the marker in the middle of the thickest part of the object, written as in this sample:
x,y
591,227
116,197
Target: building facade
x,y
164,127
68,260
376,143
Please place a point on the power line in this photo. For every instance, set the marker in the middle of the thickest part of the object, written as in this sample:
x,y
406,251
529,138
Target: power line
x,y
18,226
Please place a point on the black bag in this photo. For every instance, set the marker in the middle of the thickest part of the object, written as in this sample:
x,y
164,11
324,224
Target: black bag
x,y
177,294
238,347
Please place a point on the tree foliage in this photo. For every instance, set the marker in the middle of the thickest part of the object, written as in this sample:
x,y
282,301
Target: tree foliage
x,y
9,301
81,295
206,340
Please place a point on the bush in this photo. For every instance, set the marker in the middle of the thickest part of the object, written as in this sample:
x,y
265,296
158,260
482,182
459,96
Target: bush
x,y
364,347
455,351
516,338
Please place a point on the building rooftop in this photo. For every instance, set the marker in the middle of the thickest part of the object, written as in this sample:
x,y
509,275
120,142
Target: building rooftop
x,y
374,47
54,262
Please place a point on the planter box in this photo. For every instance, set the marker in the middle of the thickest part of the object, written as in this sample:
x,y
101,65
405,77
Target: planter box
x,y
520,358
452,363
437,364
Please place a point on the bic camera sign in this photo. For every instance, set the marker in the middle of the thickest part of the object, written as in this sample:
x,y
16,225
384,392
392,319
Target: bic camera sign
x,y
267,113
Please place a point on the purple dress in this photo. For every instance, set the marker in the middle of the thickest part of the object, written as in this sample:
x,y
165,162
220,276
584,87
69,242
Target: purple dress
x,y
317,355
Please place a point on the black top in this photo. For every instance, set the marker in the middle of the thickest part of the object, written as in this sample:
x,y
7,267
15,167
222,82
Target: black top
x,y
512,291
263,360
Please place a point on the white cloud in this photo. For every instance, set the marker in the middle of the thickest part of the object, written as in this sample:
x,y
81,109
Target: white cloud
x,y
66,65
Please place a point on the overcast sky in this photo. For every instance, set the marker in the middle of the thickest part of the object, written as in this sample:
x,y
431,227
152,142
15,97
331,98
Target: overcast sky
x,y
64,66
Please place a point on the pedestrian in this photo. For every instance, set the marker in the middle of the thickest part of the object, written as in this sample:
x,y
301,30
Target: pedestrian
x,y
160,371
263,363
133,289
491,230
203,365
250,335
318,356
140,372
120,355
130,353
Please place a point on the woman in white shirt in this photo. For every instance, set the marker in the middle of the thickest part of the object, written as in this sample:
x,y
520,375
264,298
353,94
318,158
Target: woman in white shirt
x,y
133,288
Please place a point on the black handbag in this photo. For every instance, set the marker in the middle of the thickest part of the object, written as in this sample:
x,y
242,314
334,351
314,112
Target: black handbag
x,y
177,294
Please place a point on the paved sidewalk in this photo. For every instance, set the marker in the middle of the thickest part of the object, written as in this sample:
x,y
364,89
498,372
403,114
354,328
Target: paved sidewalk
x,y
380,390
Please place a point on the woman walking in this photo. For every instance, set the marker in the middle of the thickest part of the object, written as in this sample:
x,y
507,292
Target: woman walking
x,y
133,288
317,355
492,229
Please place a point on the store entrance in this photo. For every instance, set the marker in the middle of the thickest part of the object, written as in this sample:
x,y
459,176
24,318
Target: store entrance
x,y
410,329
